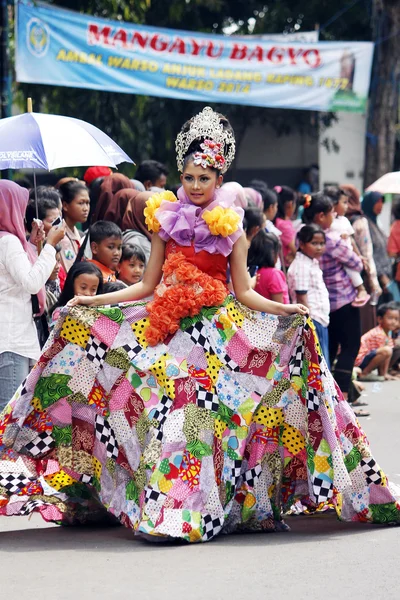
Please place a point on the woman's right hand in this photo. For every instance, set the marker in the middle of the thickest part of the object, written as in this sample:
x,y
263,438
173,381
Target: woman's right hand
x,y
82,300
55,235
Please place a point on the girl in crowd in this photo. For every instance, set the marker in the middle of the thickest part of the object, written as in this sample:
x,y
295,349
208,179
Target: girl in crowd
x,y
306,282
22,275
198,411
344,326
252,223
132,264
83,279
75,208
287,205
48,205
270,282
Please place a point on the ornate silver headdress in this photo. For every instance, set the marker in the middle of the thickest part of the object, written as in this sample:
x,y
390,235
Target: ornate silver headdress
x,y
207,126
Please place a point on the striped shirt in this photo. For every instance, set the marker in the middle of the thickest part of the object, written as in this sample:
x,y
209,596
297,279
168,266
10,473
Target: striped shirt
x,y
337,256
372,340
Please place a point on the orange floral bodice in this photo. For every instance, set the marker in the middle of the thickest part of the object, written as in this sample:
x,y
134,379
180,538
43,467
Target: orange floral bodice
x,y
215,265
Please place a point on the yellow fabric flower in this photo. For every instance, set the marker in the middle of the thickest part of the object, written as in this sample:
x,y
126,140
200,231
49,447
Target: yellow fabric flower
x,y
152,205
221,221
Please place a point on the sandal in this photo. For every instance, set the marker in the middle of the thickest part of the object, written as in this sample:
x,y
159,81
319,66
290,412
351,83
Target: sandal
x,y
362,302
361,413
358,403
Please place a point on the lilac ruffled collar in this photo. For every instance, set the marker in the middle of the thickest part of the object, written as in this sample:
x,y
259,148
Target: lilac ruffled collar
x,y
183,222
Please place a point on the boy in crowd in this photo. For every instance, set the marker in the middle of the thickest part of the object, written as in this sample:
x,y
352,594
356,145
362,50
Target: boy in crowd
x,y
106,247
377,345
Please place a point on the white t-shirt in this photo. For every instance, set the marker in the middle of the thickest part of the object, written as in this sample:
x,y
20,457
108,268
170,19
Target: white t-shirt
x,y
19,279
339,226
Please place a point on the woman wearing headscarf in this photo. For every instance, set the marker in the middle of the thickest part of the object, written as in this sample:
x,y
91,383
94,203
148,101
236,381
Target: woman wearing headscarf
x,y
372,205
106,204
133,223
22,279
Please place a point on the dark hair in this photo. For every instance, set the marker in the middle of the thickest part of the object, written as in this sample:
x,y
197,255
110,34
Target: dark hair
x,y
98,232
78,268
384,308
253,217
195,146
285,194
70,190
334,193
396,210
113,286
150,170
132,251
320,203
307,233
260,186
264,250
48,198
269,199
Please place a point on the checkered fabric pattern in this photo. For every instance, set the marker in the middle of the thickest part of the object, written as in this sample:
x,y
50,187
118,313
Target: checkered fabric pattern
x,y
211,526
322,489
233,366
106,435
371,470
151,494
207,399
30,506
252,475
296,362
96,351
132,351
160,414
40,445
236,471
312,399
198,335
13,483
86,479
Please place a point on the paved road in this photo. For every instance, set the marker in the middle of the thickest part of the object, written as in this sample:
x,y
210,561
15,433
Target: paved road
x,y
319,558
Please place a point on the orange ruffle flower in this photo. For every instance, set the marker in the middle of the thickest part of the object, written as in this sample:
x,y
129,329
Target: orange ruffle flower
x,y
221,221
152,205
185,290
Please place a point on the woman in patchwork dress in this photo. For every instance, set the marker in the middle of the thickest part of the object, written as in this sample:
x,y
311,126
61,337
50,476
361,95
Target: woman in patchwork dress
x,y
199,411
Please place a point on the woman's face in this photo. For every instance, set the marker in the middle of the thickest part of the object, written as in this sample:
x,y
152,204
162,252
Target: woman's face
x,y
378,206
77,210
200,184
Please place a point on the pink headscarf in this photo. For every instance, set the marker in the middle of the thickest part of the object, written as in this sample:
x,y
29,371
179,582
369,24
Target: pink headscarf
x,y
237,190
13,202
254,196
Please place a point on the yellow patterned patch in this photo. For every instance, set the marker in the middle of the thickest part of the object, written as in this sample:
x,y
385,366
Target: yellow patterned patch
x,y
97,467
219,427
74,332
158,370
292,439
37,405
170,388
139,329
59,480
165,485
249,501
234,314
214,366
321,464
271,417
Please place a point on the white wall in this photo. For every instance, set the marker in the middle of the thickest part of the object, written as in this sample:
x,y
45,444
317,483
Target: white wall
x,y
347,165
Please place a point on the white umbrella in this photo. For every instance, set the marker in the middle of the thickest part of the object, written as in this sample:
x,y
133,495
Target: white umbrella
x,y
387,184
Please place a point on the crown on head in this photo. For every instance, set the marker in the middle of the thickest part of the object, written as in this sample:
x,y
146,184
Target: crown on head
x,y
207,126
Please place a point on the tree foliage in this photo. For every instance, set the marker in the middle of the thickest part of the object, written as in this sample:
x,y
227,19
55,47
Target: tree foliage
x,y
146,126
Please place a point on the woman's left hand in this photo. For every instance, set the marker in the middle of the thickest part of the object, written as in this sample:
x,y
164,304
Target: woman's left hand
x,y
295,309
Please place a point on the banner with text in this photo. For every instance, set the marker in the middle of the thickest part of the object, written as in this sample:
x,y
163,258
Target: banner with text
x,y
61,47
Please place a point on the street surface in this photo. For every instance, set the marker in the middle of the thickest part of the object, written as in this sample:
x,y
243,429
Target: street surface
x,y
320,558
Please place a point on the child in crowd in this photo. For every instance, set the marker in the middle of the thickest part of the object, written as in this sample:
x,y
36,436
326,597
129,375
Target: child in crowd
x,y
341,228
132,265
306,282
377,345
113,286
75,208
105,239
287,205
270,282
83,279
252,223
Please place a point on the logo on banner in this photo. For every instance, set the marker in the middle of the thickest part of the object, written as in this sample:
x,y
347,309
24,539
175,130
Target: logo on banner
x,y
37,37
